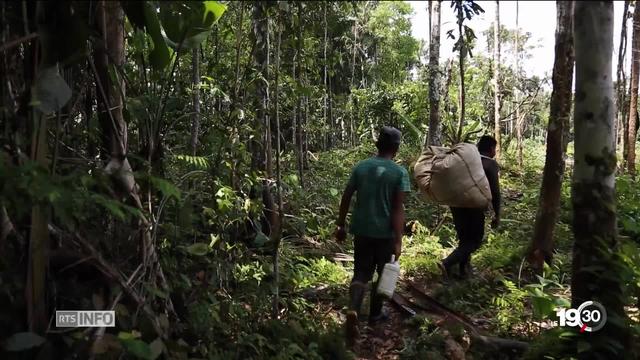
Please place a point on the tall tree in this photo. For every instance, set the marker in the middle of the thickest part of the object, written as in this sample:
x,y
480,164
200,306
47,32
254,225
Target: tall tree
x,y
434,73
496,79
621,82
519,118
300,97
277,234
549,201
633,97
195,81
260,23
595,269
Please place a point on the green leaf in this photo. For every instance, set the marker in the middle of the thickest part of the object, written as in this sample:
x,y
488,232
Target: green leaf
x,y
333,191
143,15
260,239
198,249
166,187
112,206
51,92
156,292
23,341
138,348
156,348
215,8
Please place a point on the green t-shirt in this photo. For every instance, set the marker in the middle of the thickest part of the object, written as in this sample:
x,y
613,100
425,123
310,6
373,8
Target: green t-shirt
x,y
375,181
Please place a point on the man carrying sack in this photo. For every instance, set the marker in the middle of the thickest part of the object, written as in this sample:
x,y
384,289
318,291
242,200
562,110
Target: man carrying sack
x,y
377,222
468,221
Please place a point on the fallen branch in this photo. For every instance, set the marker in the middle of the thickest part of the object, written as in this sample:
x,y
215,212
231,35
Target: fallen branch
x,y
438,309
9,44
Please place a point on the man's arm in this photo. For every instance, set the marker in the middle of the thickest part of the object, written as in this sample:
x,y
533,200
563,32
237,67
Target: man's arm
x,y
345,202
493,177
397,221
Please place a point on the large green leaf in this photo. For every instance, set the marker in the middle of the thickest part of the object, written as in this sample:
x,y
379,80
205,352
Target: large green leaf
x,y
215,8
51,92
187,24
143,15
198,249
23,341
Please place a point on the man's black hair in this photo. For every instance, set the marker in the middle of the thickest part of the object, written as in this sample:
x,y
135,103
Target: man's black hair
x,y
486,143
388,140
386,146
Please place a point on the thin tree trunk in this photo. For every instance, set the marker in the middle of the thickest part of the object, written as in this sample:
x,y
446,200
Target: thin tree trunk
x,y
496,79
596,266
621,82
353,75
326,134
434,74
549,201
277,234
461,102
633,102
261,157
195,81
300,99
519,119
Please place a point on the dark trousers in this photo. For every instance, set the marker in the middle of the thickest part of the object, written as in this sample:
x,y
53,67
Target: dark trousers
x,y
370,255
469,224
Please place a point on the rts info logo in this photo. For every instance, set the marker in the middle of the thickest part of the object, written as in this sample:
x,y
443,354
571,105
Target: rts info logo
x,y
590,316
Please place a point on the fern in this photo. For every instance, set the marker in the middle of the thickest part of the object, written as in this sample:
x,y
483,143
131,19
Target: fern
x,y
199,162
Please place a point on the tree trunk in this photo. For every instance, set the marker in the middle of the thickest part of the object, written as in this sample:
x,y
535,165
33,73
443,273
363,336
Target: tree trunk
x,y
327,133
434,75
300,99
549,202
519,119
621,82
496,79
260,22
114,129
277,234
595,267
195,81
633,102
461,103
353,75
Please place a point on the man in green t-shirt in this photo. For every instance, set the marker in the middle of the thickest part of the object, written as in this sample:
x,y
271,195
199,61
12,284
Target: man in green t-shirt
x,y
377,222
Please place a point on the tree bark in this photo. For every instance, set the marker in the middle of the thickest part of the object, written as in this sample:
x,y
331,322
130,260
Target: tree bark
x,y
277,234
299,139
621,82
496,79
195,81
461,103
519,118
260,22
633,98
327,133
434,74
595,267
549,201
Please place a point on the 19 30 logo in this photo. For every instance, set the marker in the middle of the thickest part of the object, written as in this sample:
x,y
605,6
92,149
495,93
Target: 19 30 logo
x,y
590,316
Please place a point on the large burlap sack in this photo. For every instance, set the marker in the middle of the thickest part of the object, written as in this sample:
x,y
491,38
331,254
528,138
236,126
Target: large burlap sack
x,y
453,176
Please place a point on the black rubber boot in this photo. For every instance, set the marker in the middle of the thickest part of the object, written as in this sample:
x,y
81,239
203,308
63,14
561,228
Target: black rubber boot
x,y
375,305
356,296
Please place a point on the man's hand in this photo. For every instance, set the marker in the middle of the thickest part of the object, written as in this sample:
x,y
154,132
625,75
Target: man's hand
x,y
495,222
397,248
340,234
